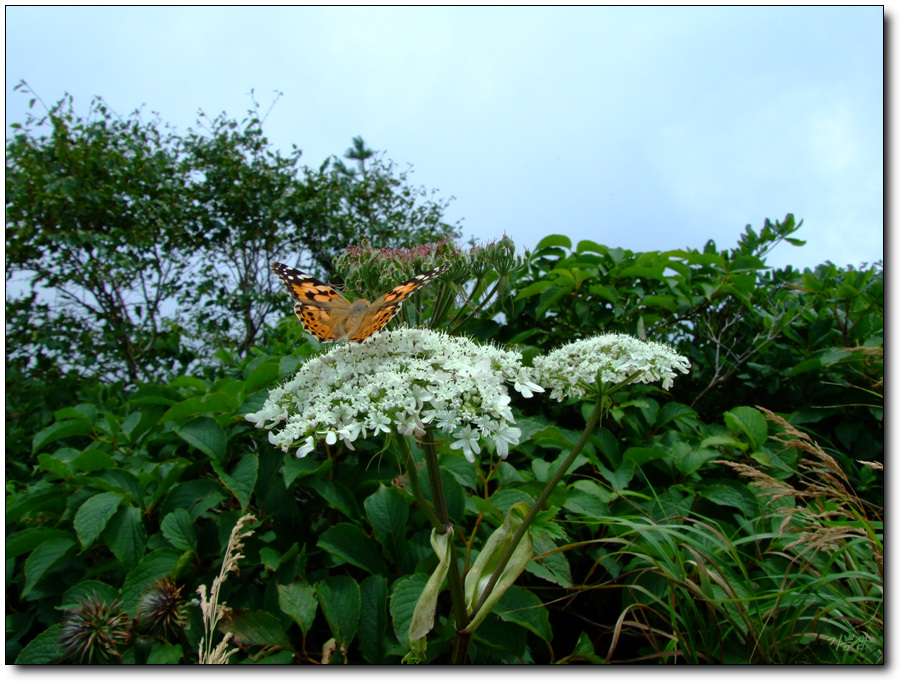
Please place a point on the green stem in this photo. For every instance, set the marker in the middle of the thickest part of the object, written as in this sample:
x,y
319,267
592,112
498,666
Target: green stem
x,y
454,580
541,500
410,465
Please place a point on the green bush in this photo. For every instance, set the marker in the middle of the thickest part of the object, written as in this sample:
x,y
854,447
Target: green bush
x,y
682,531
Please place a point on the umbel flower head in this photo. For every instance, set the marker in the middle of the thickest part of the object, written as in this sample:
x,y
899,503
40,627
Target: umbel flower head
x,y
400,381
606,362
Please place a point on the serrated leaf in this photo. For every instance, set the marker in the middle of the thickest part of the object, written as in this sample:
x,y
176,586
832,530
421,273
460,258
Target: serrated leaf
x,y
255,627
89,589
209,404
749,421
44,648
34,502
94,514
58,431
194,495
553,567
336,494
387,512
126,537
205,434
349,543
373,618
262,375
295,467
589,503
522,607
44,558
163,653
298,601
404,596
153,566
731,493
242,479
92,460
340,601
178,528
26,540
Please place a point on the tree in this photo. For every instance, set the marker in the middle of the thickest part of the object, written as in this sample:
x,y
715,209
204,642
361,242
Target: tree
x,y
143,249
95,217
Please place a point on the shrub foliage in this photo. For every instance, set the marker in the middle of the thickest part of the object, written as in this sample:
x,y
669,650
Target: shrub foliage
x,y
735,518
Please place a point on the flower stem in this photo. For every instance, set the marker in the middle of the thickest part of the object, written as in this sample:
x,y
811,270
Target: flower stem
x,y
454,581
417,488
592,421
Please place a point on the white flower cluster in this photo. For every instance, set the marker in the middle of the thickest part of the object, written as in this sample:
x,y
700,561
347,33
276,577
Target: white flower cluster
x,y
400,381
613,359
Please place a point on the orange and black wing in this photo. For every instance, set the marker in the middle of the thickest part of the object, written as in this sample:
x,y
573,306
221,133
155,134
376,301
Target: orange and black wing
x,y
387,306
316,303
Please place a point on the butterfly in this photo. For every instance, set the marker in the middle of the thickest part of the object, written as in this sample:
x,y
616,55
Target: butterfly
x,y
329,316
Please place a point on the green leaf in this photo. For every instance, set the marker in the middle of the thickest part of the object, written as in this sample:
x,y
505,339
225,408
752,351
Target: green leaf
x,y
488,561
126,537
586,245
205,434
349,543
423,615
588,498
641,455
89,589
388,513
194,495
153,566
533,289
242,479
255,628
53,464
404,596
337,495
749,421
554,240
26,540
298,601
178,529
93,515
163,653
525,609
44,648
733,493
689,459
340,601
373,618
295,467
209,404
58,431
37,501
93,460
44,558
554,567
263,375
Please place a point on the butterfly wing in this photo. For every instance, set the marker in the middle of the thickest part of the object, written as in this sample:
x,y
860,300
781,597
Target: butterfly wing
x,y
384,308
317,305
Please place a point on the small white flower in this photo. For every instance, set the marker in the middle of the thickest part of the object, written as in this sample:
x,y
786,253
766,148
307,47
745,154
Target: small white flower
x,y
614,359
504,436
467,440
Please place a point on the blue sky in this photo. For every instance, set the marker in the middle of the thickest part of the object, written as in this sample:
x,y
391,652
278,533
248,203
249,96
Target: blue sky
x,y
642,128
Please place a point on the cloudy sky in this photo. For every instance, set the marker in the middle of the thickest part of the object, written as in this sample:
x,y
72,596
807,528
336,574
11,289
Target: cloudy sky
x,y
647,129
